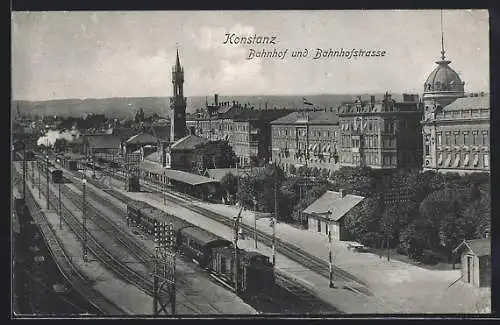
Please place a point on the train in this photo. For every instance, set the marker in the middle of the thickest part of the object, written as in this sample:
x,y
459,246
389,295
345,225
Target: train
x,y
55,173
214,254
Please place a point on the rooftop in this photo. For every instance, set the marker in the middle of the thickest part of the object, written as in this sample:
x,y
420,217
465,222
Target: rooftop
x,y
480,247
177,175
335,203
310,117
188,142
219,173
142,138
465,103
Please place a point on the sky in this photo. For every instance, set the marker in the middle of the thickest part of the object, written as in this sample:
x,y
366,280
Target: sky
x,y
58,55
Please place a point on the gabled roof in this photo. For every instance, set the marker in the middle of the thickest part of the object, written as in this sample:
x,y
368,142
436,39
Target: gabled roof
x,y
142,138
479,247
189,142
334,202
310,117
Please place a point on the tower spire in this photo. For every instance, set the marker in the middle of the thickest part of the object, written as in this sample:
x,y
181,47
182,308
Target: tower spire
x,y
442,38
177,61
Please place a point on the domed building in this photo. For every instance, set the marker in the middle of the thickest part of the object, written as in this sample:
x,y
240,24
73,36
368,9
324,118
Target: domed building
x,y
443,84
455,127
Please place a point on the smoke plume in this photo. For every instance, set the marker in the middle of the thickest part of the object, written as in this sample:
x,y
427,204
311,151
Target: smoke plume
x,y
52,135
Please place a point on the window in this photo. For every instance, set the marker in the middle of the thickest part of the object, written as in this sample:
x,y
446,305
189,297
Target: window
x,y
439,139
475,138
447,139
427,146
485,139
319,225
455,139
486,160
466,138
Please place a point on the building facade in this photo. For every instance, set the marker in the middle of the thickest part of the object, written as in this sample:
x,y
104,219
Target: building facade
x,y
307,138
247,130
455,126
177,103
381,134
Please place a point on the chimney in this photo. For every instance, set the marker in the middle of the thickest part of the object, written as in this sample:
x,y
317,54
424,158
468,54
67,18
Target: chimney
x,y
342,192
216,98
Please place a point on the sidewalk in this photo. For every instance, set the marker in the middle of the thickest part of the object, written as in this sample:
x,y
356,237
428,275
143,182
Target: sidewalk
x,y
398,287
344,300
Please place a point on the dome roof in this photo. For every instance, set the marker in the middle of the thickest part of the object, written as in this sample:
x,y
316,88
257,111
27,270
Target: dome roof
x,y
443,78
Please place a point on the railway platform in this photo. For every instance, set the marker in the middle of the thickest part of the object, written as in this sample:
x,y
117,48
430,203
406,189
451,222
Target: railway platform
x,y
128,298
397,286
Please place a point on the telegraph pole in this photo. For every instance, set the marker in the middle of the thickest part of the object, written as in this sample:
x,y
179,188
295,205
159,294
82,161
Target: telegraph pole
x,y
24,170
275,217
47,176
330,261
39,171
84,218
60,208
255,220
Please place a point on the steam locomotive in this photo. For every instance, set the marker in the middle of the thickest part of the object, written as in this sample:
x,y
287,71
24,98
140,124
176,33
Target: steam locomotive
x,y
215,254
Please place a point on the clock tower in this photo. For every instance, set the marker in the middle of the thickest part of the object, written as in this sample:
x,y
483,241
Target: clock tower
x,y
177,103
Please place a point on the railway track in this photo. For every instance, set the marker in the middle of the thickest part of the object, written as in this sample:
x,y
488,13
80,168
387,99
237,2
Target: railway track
x,y
111,261
138,250
291,251
81,284
285,282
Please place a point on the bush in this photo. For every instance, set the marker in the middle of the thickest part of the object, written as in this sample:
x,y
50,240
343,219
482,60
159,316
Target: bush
x,y
431,258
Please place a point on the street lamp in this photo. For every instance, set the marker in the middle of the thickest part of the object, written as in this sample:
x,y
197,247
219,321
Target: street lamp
x,y
330,246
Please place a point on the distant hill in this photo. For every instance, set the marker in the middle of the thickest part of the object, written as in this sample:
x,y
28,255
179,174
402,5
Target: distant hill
x,y
127,107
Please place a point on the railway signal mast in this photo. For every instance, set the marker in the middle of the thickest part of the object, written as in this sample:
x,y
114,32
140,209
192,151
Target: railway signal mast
x,y
164,269
236,252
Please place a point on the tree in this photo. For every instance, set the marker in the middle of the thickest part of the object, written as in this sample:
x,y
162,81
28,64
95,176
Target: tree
x,y
214,154
229,184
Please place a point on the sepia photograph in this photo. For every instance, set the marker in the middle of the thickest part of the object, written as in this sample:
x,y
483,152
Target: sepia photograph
x,y
227,164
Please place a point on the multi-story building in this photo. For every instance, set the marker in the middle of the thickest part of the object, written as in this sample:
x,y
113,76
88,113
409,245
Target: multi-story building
x,y
251,138
455,127
381,134
306,138
246,129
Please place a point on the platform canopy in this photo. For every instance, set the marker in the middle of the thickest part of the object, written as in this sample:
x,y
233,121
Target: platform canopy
x,y
177,175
